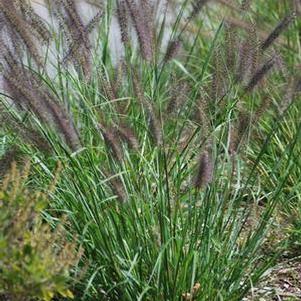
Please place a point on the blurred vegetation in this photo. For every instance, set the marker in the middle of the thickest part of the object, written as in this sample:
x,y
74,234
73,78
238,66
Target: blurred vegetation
x,y
35,260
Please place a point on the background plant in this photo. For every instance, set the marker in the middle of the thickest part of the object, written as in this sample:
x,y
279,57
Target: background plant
x,y
35,260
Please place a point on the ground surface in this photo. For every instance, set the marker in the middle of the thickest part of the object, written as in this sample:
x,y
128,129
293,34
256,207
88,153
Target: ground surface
x,y
281,283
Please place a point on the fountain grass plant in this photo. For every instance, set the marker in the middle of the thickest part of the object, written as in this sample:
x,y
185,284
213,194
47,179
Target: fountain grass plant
x,y
167,154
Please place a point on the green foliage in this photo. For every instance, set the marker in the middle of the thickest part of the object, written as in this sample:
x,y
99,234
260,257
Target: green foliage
x,y
293,218
173,167
35,259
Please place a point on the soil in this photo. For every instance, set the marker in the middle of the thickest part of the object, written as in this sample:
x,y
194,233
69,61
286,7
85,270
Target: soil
x,y
281,283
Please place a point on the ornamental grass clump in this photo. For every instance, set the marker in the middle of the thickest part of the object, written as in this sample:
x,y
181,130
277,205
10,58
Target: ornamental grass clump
x,y
159,178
